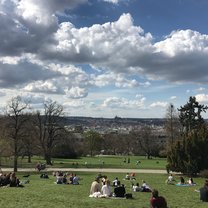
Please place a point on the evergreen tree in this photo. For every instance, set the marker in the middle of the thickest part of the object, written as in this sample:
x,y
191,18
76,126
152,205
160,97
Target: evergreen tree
x,y
189,154
190,115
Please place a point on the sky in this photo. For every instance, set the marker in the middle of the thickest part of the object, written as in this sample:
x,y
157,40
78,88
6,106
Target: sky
x,y
104,58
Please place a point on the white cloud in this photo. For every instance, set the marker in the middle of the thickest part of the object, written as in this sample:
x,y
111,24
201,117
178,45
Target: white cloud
x,y
74,104
159,105
76,93
102,45
48,86
115,102
173,97
112,1
118,80
202,98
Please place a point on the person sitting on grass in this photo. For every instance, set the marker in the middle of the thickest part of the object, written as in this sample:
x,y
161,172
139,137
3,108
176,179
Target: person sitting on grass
x,y
145,187
170,179
5,179
133,176
115,182
204,192
136,187
44,176
75,180
120,190
182,181
106,189
127,177
64,179
191,181
95,190
14,181
157,201
59,178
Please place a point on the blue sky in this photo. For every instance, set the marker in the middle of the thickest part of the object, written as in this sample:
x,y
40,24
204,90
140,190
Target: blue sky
x,y
129,58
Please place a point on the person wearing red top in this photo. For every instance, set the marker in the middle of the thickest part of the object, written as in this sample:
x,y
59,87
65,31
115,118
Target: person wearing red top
x,y
157,201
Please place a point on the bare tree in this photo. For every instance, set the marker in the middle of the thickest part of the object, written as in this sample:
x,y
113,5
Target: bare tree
x,y
15,113
172,124
49,128
29,140
111,143
93,142
146,140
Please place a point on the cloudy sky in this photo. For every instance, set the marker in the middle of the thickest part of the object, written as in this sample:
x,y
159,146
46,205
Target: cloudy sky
x,y
103,58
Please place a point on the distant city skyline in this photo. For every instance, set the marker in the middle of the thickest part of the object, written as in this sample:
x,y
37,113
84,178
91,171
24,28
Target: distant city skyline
x,y
104,58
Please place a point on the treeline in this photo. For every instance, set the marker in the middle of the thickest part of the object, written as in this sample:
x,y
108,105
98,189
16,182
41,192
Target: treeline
x,y
26,132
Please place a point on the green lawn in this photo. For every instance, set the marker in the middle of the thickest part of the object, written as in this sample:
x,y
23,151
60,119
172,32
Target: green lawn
x,y
95,162
44,193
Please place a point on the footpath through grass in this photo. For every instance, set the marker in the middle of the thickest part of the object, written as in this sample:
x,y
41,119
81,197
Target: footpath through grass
x,y
44,193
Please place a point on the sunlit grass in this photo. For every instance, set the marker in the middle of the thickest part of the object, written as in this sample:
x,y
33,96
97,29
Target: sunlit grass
x,y
94,162
44,193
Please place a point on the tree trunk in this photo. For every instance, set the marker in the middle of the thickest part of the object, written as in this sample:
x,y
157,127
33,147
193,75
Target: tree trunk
x,y
15,163
29,158
48,159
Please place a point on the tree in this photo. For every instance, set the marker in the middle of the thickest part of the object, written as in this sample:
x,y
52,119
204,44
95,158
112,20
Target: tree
x,y
29,140
111,141
172,124
146,140
49,128
190,115
93,141
189,155
15,112
190,152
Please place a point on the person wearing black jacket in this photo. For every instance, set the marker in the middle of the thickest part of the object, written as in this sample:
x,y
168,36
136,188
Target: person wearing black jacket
x,y
120,190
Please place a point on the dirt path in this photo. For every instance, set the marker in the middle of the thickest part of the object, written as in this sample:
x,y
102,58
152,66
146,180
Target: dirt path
x,y
106,170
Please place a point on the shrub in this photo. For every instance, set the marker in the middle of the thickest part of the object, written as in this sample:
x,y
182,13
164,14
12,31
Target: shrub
x,y
204,173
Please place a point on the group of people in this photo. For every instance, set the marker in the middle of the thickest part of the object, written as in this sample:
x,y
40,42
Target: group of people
x,y
101,187
190,182
143,188
182,181
9,180
66,178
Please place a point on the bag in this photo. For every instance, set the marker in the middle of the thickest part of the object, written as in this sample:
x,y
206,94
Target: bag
x,y
128,196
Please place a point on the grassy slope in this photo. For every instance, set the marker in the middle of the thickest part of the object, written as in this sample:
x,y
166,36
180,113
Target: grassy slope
x,y
44,193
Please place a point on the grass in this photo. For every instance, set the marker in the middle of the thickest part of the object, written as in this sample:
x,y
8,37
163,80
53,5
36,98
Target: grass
x,y
94,162
44,193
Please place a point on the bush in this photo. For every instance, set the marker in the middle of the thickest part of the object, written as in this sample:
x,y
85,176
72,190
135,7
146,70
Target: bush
x,y
204,173
64,151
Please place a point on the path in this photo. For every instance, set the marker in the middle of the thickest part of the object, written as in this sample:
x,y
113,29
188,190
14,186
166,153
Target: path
x,y
107,170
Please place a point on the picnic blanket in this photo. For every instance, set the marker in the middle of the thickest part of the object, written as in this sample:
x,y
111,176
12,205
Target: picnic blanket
x,y
186,184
